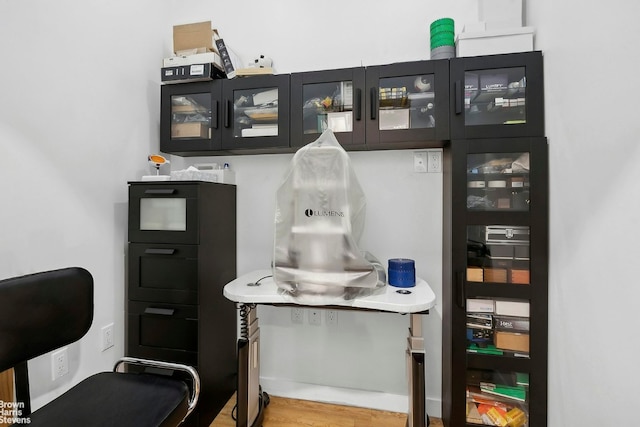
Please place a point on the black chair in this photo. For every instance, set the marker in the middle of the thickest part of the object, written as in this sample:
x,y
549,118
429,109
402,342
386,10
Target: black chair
x,y
44,311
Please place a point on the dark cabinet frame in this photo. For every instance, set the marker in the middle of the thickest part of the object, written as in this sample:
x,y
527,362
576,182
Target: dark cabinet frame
x,y
456,289
190,146
186,320
408,138
232,143
349,140
533,70
449,76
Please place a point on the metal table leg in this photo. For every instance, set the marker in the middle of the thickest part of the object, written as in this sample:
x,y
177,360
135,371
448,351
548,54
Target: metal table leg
x,y
250,399
417,416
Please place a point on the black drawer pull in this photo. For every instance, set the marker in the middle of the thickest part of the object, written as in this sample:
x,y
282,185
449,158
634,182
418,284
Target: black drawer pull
x,y
458,97
160,191
161,311
214,115
157,251
227,114
374,103
357,104
461,298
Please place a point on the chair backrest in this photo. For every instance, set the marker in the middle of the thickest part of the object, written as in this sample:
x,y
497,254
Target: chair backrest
x,y
42,312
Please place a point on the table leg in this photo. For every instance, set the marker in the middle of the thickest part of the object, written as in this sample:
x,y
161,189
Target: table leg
x,y
415,365
250,398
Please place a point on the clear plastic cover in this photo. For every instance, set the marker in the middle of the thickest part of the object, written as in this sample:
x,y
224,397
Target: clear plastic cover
x,y
320,213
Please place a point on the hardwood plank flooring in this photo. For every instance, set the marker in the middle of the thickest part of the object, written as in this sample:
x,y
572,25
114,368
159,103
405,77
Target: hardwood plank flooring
x,y
285,412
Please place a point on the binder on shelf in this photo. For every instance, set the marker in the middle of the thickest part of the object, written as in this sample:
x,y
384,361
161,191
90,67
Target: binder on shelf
x,y
196,58
190,73
224,55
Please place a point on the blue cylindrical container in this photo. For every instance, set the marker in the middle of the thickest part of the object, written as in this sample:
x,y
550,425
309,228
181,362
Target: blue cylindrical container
x,y
402,272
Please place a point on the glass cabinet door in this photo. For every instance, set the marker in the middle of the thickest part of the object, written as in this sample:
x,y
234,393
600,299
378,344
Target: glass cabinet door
x,y
256,112
327,99
497,398
496,331
498,181
407,102
497,96
189,117
498,254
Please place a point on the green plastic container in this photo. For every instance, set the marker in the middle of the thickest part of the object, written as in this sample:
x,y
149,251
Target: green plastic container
x,y
442,40
442,28
442,21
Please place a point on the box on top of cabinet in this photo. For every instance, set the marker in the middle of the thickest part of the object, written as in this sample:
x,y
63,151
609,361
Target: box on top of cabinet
x,y
193,38
495,42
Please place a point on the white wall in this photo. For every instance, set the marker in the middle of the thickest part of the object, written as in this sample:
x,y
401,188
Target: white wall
x,y
79,103
593,134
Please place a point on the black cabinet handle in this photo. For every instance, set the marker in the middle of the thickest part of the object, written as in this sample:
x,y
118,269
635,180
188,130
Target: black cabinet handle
x,y
160,311
160,191
357,104
460,296
374,103
214,114
458,96
157,251
227,114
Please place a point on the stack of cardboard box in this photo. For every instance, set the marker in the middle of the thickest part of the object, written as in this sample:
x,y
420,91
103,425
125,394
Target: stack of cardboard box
x,y
195,57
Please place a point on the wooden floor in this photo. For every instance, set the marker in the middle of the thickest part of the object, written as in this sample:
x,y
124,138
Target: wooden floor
x,y
284,412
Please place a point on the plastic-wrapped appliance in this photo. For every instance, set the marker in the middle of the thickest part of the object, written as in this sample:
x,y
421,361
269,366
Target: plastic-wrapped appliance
x,y
320,210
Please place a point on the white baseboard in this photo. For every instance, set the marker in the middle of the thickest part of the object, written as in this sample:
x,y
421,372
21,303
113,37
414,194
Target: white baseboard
x,y
344,396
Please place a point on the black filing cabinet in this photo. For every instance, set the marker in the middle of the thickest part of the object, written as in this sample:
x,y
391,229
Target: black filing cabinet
x,y
182,251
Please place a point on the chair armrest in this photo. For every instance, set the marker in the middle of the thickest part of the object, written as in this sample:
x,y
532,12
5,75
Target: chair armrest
x,y
195,391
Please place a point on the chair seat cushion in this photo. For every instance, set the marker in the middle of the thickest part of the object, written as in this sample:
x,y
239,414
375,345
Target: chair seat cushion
x,y
117,399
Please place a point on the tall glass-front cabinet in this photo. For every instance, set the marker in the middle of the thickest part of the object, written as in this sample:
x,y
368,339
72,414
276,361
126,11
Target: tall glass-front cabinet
x,y
496,262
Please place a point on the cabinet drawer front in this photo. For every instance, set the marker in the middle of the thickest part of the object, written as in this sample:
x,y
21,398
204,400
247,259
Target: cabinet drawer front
x,y
162,329
163,212
163,273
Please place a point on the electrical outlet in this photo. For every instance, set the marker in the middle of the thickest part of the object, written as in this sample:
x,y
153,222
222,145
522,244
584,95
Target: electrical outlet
x,y
332,317
107,336
297,315
59,364
434,161
315,317
420,161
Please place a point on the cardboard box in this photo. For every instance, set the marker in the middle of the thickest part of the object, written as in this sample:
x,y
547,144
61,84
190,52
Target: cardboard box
x,y
513,341
521,277
475,274
512,308
479,305
496,275
198,58
190,130
495,42
190,37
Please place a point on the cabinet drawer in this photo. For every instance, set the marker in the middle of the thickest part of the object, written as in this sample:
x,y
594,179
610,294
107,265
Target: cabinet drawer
x,y
163,212
163,331
163,273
